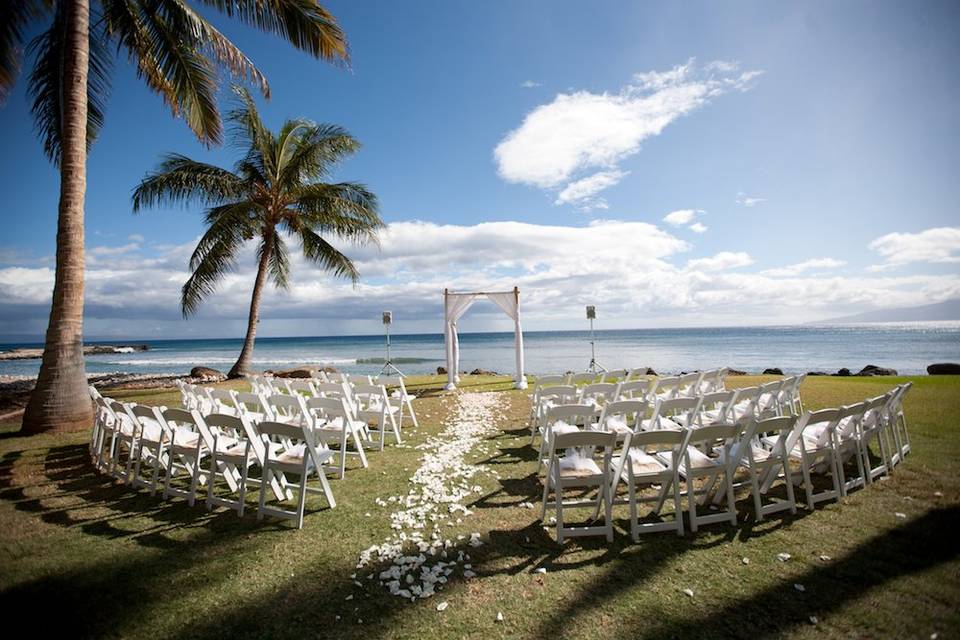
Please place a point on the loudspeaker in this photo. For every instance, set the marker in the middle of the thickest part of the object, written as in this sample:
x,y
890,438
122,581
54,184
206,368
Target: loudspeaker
x,y
591,312
387,318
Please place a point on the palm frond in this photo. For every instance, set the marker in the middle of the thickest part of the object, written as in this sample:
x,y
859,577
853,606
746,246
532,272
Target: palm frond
x,y
14,17
215,256
303,23
346,209
318,149
248,132
46,83
178,179
279,263
322,253
170,61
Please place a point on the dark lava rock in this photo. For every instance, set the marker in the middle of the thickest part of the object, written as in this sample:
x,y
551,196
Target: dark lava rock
x,y
843,372
817,373
206,374
736,372
483,372
441,371
772,371
873,370
944,369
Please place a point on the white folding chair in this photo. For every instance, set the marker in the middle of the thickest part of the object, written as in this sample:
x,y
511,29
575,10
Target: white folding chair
x,y
399,398
578,468
190,446
288,409
598,394
637,374
153,437
614,375
675,413
373,407
301,386
252,406
762,451
744,405
712,381
650,458
715,408
688,385
622,417
231,457
334,422
768,402
898,422
564,418
221,401
300,455
665,388
633,390
706,457
812,446
550,397
578,379
874,426
123,443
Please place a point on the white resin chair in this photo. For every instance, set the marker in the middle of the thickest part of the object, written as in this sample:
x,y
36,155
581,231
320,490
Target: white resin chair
x,y
564,418
650,458
221,401
104,423
813,448
763,451
190,446
153,437
550,397
716,407
768,402
790,401
300,455
578,379
301,386
572,464
898,422
676,413
614,375
123,443
598,394
231,457
875,427
622,417
633,390
333,422
374,408
639,373
252,406
540,383
706,457
400,398
288,409
688,385
665,388
714,380
744,405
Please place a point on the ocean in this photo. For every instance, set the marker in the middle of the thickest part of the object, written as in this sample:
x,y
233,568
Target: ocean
x,y
906,347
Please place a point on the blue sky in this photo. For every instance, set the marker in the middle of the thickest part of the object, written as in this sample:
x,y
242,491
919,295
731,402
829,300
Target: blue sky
x,y
814,143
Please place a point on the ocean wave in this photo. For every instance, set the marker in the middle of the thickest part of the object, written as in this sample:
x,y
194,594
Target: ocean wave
x,y
404,360
200,360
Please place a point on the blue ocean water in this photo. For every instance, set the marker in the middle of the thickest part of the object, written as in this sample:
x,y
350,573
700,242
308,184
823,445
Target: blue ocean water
x,y
907,347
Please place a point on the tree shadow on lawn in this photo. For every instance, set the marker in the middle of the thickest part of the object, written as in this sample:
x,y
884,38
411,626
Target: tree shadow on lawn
x,y
911,548
72,493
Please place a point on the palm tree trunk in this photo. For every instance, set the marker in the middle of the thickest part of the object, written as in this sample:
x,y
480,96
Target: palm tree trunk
x,y
242,367
60,400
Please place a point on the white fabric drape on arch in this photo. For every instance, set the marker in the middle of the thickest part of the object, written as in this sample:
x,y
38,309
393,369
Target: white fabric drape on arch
x,y
455,305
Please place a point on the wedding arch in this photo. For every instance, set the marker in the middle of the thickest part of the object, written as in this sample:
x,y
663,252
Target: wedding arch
x,y
455,305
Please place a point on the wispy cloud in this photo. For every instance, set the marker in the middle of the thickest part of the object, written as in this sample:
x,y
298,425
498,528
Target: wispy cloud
x,y
698,227
682,217
814,264
749,201
938,245
582,192
721,261
529,84
583,132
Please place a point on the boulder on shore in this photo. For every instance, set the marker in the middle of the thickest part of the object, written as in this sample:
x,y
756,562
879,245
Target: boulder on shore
x,y
441,371
206,374
873,370
843,372
773,371
736,372
817,373
944,369
483,372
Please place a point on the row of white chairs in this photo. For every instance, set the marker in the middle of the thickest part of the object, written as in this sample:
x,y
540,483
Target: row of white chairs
x,y
223,435
638,400
712,458
632,383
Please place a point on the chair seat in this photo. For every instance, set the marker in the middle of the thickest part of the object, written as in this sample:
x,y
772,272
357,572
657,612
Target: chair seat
x,y
578,467
698,460
560,427
617,426
642,463
337,425
183,437
760,454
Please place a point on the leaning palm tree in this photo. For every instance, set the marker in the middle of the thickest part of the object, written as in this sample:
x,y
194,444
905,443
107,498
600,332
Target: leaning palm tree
x,y
178,54
276,190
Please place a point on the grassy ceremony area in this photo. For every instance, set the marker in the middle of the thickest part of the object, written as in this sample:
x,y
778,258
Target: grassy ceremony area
x,y
108,560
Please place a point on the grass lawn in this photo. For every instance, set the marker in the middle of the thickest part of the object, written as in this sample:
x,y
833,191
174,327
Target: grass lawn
x,y
101,559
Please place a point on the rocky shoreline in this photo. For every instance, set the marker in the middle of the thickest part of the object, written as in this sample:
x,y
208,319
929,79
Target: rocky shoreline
x,y
35,353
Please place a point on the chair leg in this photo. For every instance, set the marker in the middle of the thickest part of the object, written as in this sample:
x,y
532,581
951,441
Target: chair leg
x,y
677,507
326,488
731,501
302,499
692,503
243,486
546,496
265,481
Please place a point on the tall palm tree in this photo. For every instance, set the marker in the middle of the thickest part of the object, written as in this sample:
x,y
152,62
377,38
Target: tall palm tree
x,y
276,190
178,54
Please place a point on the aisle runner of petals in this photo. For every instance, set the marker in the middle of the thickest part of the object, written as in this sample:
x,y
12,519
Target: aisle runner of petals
x,y
420,558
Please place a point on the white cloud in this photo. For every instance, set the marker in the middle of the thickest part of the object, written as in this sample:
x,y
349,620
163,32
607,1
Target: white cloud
x,y
938,245
529,84
583,191
135,237
814,264
582,132
698,227
637,271
681,217
721,261
749,201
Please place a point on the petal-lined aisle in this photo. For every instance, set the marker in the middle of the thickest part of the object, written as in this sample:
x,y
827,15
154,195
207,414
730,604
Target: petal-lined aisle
x,y
421,559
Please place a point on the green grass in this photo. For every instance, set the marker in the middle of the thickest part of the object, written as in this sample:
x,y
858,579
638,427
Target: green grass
x,y
106,560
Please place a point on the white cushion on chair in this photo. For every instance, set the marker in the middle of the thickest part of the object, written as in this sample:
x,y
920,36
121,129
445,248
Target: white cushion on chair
x,y
575,466
560,426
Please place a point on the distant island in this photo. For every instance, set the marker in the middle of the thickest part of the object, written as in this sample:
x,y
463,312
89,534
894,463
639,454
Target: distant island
x,y
35,353
940,311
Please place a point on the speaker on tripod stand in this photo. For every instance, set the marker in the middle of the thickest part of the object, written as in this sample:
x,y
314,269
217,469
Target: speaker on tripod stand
x,y
594,366
388,366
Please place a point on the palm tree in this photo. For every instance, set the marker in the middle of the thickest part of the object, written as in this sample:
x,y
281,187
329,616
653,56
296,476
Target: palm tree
x,y
178,54
276,190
